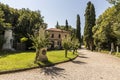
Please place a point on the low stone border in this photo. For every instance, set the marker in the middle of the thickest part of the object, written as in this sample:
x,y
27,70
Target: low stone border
x,y
19,70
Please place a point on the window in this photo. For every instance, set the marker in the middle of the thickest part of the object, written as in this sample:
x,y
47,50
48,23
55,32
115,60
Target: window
x,y
59,36
52,36
65,36
58,43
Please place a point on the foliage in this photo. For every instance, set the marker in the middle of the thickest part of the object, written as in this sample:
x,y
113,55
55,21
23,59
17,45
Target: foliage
x,y
75,45
107,28
40,40
22,22
23,39
1,21
66,25
26,59
78,30
89,24
113,1
66,43
57,25
9,16
69,28
2,41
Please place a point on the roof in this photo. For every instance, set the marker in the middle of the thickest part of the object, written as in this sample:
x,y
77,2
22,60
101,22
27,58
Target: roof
x,y
56,30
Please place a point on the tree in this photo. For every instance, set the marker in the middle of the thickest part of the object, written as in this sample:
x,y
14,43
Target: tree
x,y
66,43
107,29
40,41
89,24
1,21
28,21
21,21
66,25
75,45
78,30
57,25
113,1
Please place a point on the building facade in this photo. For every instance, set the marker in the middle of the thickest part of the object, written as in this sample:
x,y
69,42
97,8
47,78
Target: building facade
x,y
56,36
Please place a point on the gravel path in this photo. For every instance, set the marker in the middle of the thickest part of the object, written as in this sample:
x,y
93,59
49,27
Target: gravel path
x,y
88,66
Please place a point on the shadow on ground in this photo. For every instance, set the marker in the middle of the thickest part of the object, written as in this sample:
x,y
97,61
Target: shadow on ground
x,y
78,62
81,53
53,71
82,56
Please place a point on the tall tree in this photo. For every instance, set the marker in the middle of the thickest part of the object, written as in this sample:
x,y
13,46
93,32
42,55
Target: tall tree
x,y
57,25
107,28
89,24
66,25
78,30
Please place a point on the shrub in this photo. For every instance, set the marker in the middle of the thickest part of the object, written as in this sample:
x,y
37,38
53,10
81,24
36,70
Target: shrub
x,y
23,39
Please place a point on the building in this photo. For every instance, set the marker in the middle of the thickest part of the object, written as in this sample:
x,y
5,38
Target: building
x,y
56,36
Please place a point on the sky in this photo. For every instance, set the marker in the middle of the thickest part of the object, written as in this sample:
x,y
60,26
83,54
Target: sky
x,y
60,10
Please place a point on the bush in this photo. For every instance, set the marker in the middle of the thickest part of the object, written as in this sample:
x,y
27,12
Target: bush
x,y
23,39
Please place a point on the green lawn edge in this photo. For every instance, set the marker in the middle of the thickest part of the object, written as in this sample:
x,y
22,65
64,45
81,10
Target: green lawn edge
x,y
113,54
52,60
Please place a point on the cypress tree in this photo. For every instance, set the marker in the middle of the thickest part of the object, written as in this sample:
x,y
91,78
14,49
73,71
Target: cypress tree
x,y
57,25
89,24
66,25
78,29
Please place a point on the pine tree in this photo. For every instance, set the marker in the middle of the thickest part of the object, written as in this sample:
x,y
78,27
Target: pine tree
x,y
89,24
78,30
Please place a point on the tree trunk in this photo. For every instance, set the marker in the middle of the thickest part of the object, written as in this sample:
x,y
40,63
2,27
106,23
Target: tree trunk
x,y
88,46
117,49
66,53
112,48
37,54
91,46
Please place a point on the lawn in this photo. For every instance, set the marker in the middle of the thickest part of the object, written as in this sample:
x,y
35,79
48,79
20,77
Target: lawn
x,y
23,60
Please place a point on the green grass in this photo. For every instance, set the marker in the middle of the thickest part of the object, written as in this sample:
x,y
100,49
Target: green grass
x,y
118,54
26,59
105,51
114,53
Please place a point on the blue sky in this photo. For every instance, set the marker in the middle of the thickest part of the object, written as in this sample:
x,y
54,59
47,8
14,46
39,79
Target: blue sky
x,y
59,10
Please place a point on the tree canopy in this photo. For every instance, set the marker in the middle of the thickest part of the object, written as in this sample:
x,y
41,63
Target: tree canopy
x,y
107,28
113,1
21,21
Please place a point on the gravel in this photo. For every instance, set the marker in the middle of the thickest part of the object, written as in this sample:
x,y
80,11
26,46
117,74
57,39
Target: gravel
x,y
88,66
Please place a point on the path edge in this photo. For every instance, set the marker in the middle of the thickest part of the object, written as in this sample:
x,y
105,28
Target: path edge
x,y
25,69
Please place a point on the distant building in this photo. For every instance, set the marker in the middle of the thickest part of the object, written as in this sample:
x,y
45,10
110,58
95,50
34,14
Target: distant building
x,y
56,36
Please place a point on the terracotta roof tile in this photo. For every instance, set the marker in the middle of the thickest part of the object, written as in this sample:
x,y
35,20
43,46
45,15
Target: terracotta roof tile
x,y
55,29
